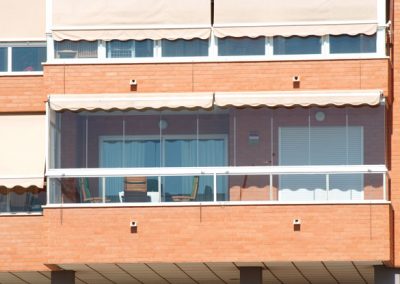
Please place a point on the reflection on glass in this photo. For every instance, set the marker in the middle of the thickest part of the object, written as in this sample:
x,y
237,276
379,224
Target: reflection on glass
x,y
28,58
3,59
352,44
129,49
297,45
75,49
231,46
184,48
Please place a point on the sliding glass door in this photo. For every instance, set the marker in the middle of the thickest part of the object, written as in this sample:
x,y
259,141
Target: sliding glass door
x,y
170,151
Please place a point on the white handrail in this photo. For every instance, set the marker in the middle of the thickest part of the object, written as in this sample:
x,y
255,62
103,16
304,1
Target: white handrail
x,y
190,171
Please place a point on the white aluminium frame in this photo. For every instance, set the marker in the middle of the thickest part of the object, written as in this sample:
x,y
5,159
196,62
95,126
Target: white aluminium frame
x,y
9,46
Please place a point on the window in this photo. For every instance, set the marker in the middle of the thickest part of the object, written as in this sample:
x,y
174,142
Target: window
x,y
352,44
75,49
28,58
184,48
297,45
23,56
231,46
3,59
130,48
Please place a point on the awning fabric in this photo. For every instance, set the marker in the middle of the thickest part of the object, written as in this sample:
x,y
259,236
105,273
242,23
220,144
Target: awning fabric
x,y
22,20
253,18
22,150
77,102
298,98
131,19
130,101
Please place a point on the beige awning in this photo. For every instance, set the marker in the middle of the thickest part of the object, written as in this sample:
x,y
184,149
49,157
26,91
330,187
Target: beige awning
x,y
130,101
22,20
298,98
22,150
131,19
255,18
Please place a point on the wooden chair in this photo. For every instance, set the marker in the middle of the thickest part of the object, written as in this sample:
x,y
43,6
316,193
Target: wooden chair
x,y
135,189
192,196
83,184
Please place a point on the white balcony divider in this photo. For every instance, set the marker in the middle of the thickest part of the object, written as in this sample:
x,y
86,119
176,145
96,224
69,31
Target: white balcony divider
x,y
223,171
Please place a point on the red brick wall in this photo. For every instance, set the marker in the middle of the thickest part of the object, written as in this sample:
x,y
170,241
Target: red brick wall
x,y
240,76
22,94
195,234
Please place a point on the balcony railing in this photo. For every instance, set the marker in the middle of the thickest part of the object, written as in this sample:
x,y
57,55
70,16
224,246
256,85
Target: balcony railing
x,y
265,184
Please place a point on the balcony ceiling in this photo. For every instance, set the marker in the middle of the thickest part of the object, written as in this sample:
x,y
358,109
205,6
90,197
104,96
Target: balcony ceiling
x,y
211,272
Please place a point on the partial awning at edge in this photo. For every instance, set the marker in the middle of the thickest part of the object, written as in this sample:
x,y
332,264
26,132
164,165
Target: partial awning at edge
x,y
22,151
298,98
131,101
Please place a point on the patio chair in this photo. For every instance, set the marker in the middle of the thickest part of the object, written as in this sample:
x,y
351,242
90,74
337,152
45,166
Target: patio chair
x,y
85,194
135,189
192,196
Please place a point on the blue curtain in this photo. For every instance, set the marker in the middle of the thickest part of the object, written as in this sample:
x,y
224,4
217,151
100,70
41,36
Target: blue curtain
x,y
212,153
134,154
111,153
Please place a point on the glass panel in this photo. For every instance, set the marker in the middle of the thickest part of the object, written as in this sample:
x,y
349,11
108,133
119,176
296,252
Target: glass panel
x,y
372,122
21,200
352,44
188,189
28,58
373,187
182,48
245,188
251,137
144,48
302,187
3,59
297,45
75,49
76,190
129,49
241,46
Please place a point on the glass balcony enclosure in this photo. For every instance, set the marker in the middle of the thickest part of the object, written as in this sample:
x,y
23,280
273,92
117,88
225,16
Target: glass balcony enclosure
x,y
218,154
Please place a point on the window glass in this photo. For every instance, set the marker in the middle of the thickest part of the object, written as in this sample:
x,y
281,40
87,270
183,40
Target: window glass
x,y
3,59
75,49
352,44
241,46
297,45
181,47
28,58
129,49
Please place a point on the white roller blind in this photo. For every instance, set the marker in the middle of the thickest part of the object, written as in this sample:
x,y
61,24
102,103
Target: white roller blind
x,y
22,20
254,18
131,19
22,150
330,145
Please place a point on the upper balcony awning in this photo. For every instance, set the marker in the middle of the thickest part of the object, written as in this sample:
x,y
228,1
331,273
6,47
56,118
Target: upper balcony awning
x,y
131,19
131,101
22,151
207,100
299,98
254,18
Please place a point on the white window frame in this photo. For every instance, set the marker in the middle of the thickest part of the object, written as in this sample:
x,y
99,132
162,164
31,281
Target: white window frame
x,y
10,46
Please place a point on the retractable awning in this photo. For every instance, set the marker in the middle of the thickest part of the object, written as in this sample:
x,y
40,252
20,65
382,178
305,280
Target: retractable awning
x,y
22,150
298,98
131,19
131,101
254,18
